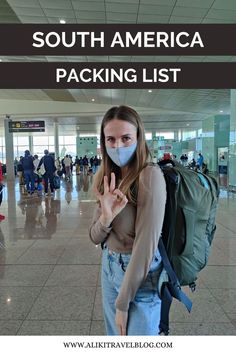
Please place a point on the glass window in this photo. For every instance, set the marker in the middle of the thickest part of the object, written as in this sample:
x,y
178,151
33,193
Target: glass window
x,y
166,135
69,140
2,155
179,135
89,135
51,140
23,140
187,135
21,150
61,140
148,136
16,152
68,149
71,150
39,150
40,140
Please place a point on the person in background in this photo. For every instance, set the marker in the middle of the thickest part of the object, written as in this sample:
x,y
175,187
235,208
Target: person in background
x,y
91,163
15,165
76,165
95,164
28,170
38,178
63,170
81,164
50,168
204,168
67,163
58,166
127,221
185,160
71,165
2,217
166,156
182,159
192,164
85,164
200,161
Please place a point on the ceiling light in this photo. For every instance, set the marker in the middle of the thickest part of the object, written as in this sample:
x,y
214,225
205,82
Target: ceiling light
x,y
221,111
62,22
150,91
0,59
93,99
187,124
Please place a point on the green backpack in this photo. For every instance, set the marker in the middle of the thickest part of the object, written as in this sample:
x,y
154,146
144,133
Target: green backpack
x,y
187,233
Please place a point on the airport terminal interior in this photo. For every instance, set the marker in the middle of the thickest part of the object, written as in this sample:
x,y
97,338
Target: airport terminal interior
x,y
49,269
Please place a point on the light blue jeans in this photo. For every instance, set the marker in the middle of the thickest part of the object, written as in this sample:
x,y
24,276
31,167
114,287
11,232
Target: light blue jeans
x,y
144,310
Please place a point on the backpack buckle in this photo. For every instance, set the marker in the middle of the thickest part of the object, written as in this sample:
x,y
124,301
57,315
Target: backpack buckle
x,y
192,286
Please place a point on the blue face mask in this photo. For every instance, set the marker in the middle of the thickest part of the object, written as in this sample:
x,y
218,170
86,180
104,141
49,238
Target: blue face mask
x,y
121,156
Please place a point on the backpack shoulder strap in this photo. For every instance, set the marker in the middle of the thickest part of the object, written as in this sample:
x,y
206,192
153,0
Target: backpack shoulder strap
x,y
169,290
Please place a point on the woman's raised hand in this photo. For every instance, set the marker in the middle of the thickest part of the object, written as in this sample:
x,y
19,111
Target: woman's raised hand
x,y
112,201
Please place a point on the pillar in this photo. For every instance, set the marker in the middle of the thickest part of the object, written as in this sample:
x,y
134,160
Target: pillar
x,y
232,140
9,151
176,135
31,145
78,153
56,139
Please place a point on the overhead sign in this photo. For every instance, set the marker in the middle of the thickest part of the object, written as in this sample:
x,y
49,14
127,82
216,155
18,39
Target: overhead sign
x,y
26,126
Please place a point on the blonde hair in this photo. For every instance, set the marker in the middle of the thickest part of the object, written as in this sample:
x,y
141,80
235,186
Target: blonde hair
x,y
129,184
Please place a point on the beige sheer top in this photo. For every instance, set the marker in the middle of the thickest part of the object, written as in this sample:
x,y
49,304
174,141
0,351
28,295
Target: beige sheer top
x,y
135,230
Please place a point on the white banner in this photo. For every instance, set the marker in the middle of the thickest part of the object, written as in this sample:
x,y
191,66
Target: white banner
x,y
99,344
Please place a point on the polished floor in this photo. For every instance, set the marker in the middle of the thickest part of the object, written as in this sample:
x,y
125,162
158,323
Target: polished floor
x,y
49,269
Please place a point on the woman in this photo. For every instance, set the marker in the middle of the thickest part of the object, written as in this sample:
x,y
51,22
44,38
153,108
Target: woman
x,y
128,221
